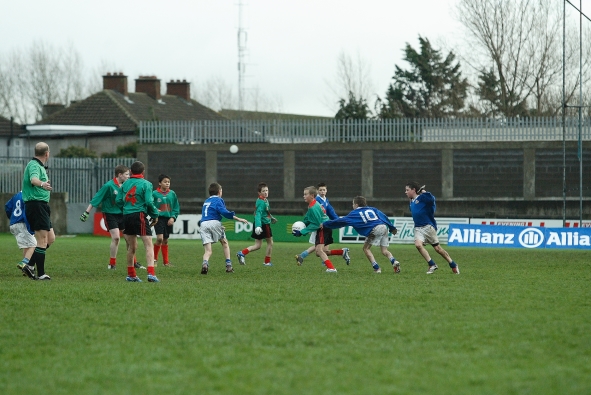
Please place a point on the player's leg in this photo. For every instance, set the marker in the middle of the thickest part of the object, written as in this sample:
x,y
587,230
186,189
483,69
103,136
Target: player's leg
x,y
268,251
164,247
323,238
300,257
454,266
114,247
226,248
149,248
369,255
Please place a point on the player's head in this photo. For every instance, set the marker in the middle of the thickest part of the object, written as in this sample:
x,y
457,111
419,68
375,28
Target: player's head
x,y
311,191
322,189
359,201
120,169
41,150
164,182
137,167
412,189
261,186
214,189
309,194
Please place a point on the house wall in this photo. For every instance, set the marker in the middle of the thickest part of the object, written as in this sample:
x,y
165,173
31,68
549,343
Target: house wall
x,y
98,144
517,179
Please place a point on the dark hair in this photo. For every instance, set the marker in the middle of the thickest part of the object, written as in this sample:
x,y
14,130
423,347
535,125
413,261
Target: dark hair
x,y
120,169
360,201
320,184
261,186
414,185
214,188
137,167
162,177
311,190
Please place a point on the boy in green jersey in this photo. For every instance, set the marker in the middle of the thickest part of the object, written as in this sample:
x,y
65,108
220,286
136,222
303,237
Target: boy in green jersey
x,y
112,214
314,218
138,203
168,206
262,227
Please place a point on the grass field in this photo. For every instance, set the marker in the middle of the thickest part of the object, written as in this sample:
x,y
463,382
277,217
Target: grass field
x,y
513,322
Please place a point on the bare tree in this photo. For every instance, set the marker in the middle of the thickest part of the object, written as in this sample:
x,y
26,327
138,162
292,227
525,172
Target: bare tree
x,y
215,93
516,48
40,75
353,77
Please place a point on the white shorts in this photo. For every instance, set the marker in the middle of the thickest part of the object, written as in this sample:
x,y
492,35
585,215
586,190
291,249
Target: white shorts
x,y
23,238
378,236
427,234
313,238
212,232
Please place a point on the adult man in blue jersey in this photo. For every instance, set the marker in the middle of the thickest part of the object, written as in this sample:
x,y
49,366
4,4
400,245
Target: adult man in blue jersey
x,y
422,208
371,223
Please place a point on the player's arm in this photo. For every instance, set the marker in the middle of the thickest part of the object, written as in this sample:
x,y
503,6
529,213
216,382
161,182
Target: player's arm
x,y
258,213
336,223
8,207
175,207
149,199
314,217
330,212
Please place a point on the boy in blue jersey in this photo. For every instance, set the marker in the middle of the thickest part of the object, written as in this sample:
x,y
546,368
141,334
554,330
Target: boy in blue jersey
x,y
374,225
323,200
20,228
211,228
422,208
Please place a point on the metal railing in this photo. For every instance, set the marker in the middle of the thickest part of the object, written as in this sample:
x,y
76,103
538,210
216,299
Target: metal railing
x,y
80,177
404,129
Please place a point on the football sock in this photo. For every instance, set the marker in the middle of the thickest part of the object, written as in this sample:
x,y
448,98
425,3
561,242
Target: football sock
x,y
328,264
156,251
112,261
452,264
25,261
267,259
131,271
245,251
304,254
151,270
204,262
392,260
164,253
134,260
336,252
228,262
39,259
431,263
375,266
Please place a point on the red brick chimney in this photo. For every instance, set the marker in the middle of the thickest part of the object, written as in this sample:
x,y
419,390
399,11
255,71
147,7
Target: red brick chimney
x,y
179,88
149,85
116,82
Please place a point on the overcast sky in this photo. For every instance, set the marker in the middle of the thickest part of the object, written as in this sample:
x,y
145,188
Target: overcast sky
x,y
293,46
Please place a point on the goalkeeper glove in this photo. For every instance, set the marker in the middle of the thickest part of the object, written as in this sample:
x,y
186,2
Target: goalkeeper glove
x,y
258,230
296,233
153,221
84,216
273,220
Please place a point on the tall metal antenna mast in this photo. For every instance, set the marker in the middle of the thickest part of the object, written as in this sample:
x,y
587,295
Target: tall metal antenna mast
x,y
242,38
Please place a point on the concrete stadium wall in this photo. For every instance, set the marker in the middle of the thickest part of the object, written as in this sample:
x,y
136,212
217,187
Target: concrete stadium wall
x,y
495,179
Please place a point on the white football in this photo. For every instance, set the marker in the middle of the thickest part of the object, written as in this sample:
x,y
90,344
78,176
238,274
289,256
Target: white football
x,y
298,225
233,149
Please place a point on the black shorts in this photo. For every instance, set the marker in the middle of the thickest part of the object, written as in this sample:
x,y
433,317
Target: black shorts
x,y
324,237
136,224
38,212
162,227
114,221
265,234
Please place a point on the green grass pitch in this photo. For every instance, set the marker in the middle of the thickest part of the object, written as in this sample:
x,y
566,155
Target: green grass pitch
x,y
513,322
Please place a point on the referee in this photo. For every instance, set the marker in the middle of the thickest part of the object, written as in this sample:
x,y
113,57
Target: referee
x,y
36,190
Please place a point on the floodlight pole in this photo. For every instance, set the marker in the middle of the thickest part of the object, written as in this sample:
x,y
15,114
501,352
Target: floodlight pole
x,y
563,114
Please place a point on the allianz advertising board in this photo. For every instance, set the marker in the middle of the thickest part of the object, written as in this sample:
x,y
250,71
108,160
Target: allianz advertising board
x,y
463,235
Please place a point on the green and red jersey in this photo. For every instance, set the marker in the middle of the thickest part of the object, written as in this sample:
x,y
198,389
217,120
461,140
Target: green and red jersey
x,y
136,196
315,216
262,215
106,197
167,203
